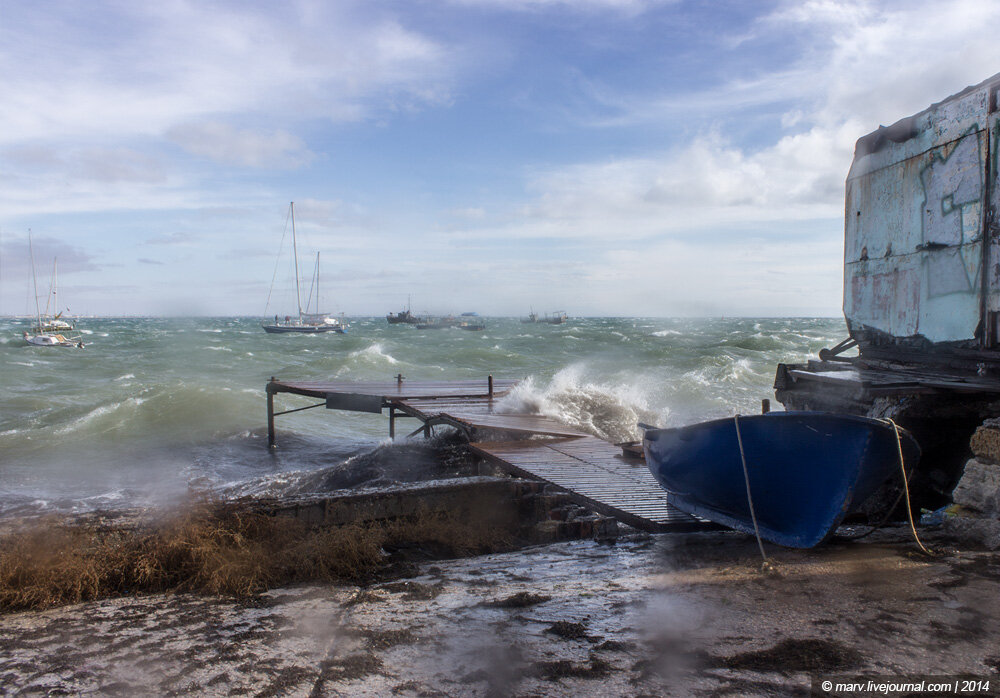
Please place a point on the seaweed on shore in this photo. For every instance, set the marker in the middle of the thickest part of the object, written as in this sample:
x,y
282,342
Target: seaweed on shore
x,y
216,548
791,655
521,599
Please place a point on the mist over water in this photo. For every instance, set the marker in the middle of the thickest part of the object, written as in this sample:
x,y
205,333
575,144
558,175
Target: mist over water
x,y
152,406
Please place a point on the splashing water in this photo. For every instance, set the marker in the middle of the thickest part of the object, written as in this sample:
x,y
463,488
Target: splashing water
x,y
153,405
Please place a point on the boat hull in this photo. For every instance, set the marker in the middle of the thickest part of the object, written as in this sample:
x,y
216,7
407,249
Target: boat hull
x,y
806,470
52,340
302,329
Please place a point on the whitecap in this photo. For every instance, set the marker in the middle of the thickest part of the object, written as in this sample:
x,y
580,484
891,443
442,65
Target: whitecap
x,y
373,353
98,412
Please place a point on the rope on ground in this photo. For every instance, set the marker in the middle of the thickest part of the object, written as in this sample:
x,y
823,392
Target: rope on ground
x,y
906,487
746,478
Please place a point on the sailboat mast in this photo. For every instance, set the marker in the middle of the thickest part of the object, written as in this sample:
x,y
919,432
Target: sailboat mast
x,y
34,281
51,296
317,283
295,253
55,285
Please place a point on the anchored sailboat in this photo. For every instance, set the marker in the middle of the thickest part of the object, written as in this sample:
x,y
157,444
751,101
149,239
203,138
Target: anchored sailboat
x,y
54,322
305,322
48,333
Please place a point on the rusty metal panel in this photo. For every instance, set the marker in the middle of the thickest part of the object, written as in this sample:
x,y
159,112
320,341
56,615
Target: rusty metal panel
x,y
354,402
914,220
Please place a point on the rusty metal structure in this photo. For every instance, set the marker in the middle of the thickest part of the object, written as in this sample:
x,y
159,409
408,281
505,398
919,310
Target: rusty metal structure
x,y
922,244
921,255
921,283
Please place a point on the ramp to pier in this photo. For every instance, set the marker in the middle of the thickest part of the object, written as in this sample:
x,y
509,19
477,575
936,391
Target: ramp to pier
x,y
593,472
596,474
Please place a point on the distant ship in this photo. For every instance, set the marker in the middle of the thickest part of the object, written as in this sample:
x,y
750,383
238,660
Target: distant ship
x,y
557,317
404,317
437,323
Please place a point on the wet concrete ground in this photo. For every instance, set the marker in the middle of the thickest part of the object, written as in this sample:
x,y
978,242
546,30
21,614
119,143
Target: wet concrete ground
x,y
672,614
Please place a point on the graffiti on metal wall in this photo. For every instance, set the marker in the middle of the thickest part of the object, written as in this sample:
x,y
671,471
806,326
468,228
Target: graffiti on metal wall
x,y
953,189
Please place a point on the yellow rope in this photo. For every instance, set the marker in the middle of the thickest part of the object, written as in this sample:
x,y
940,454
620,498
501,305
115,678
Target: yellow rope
x,y
906,487
765,565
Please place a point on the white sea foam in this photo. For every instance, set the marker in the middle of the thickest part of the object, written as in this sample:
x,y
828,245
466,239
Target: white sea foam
x,y
126,377
98,412
219,348
374,353
609,411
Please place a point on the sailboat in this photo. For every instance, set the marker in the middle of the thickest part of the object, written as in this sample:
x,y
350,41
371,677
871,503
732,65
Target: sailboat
x,y
53,322
49,333
304,322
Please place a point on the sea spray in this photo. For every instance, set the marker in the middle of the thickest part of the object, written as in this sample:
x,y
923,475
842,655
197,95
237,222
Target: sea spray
x,y
153,404
608,411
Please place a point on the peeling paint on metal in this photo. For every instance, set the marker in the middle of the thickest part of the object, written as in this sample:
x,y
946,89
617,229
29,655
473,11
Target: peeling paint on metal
x,y
914,226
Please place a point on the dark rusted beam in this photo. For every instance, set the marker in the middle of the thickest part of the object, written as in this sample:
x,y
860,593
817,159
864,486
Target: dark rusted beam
x,y
270,418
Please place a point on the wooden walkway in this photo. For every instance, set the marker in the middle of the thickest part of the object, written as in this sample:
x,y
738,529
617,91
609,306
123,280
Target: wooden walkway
x,y
597,475
593,472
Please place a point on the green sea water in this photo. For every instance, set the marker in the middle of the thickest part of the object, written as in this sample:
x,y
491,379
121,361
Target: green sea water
x,y
152,406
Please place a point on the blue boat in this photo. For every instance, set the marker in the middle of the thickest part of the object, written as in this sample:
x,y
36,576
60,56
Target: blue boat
x,y
806,470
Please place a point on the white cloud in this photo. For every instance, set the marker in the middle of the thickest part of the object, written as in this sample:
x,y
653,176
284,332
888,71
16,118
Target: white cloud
x,y
867,65
227,145
142,69
627,6
469,213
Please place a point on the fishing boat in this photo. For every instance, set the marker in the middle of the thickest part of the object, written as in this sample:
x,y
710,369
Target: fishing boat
x,y
804,471
531,319
472,326
556,318
47,333
304,322
404,317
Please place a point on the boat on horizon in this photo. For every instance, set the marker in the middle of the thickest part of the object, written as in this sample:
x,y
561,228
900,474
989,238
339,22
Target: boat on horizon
x,y
805,471
556,317
305,322
404,317
439,323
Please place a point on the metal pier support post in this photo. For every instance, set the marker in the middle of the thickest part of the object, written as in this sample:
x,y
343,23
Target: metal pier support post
x,y
392,422
270,413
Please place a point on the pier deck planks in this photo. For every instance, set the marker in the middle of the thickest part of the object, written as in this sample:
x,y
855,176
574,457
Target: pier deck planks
x,y
592,471
597,475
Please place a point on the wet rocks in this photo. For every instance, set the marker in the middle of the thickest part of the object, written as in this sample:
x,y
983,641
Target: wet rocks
x,y
979,488
976,518
985,442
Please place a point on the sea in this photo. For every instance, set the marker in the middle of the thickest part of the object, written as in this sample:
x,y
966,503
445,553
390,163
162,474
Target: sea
x,y
152,409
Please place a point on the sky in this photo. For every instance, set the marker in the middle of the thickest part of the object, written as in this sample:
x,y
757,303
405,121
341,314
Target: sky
x,y
603,157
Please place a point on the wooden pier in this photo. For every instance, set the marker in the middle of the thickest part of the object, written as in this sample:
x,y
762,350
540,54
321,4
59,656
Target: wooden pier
x,y
593,472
